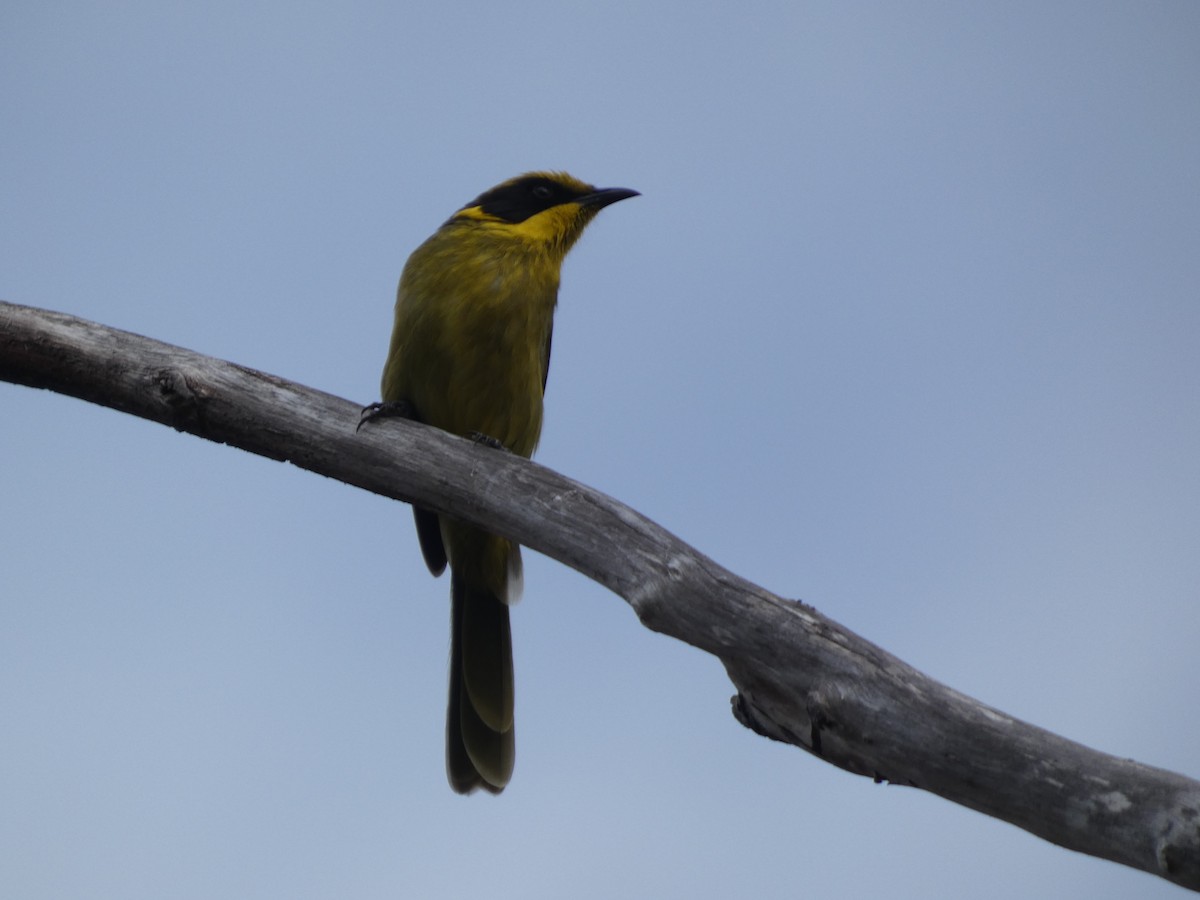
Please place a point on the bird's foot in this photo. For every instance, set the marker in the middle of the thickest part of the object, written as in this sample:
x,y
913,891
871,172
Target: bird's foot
x,y
387,409
487,441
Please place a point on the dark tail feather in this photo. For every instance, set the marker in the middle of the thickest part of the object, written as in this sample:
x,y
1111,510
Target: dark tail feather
x,y
480,745
429,533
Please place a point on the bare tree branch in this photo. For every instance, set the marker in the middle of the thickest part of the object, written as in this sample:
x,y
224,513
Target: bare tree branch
x,y
800,677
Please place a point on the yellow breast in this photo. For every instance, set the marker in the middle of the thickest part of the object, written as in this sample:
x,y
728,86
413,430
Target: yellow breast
x,y
470,346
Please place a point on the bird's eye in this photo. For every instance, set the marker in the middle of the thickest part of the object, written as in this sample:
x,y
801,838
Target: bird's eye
x,y
542,192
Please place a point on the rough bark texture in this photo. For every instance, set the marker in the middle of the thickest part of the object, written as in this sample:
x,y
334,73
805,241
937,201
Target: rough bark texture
x,y
800,677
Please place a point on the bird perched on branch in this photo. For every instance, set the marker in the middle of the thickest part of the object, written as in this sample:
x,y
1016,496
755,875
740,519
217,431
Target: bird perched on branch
x,y
470,352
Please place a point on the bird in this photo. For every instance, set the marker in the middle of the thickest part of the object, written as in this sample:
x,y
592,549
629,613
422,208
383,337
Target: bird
x,y
469,354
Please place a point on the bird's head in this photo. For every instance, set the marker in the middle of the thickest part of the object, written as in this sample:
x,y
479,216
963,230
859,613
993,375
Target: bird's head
x,y
546,209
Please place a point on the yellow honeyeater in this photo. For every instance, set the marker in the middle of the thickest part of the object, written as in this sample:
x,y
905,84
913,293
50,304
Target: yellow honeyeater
x,y
469,354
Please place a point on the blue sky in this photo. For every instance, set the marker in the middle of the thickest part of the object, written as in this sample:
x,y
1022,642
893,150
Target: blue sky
x,y
904,324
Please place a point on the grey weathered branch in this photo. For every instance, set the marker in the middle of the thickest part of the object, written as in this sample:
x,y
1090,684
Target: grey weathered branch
x,y
800,677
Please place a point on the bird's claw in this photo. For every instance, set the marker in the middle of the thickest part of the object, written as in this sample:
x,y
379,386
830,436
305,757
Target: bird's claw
x,y
487,440
385,409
